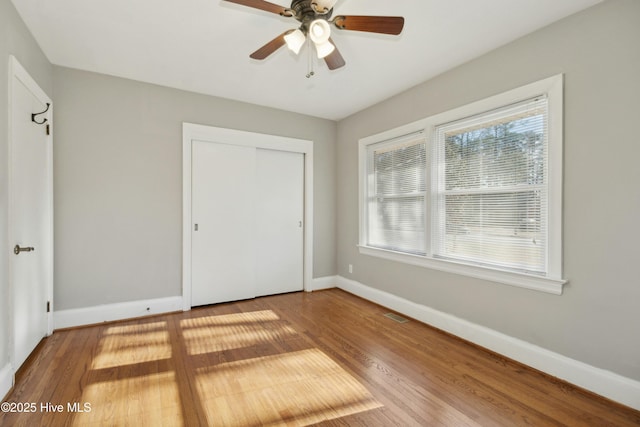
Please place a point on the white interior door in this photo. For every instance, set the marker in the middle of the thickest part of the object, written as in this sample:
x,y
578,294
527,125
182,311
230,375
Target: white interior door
x,y
279,236
30,215
223,206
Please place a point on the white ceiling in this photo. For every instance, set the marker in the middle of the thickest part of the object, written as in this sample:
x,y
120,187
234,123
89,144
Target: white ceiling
x,y
204,45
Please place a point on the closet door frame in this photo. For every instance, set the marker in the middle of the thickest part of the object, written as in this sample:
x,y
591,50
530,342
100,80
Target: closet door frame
x,y
194,132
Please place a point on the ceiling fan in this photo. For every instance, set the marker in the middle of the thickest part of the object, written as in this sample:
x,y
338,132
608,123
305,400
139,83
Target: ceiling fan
x,y
315,22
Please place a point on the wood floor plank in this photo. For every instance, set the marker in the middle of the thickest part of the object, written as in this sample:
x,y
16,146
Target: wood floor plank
x,y
325,358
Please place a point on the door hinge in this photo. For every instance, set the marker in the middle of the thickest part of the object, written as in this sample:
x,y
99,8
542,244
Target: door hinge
x,y
48,306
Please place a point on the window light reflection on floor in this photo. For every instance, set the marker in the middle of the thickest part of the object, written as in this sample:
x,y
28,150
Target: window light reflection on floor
x,y
128,344
307,386
235,367
231,331
122,401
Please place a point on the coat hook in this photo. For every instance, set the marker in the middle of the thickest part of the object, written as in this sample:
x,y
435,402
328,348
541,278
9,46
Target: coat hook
x,y
33,116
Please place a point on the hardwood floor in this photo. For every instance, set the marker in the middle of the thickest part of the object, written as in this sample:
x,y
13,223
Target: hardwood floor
x,y
324,358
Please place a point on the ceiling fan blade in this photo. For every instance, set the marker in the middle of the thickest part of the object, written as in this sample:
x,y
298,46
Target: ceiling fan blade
x,y
334,60
270,47
264,5
372,24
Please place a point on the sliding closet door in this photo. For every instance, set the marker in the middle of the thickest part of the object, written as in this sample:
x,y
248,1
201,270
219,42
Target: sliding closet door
x,y
279,238
223,207
247,235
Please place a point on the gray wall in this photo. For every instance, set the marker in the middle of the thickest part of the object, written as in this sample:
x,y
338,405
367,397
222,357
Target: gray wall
x,y
597,320
118,183
15,40
118,174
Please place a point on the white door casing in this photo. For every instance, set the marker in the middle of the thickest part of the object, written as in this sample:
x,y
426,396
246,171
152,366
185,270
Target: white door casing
x,y
30,213
193,133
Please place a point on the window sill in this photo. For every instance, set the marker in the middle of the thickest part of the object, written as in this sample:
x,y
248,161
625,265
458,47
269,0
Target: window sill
x,y
521,280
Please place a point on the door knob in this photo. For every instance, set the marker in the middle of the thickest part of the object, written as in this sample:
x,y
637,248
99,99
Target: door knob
x,y
18,249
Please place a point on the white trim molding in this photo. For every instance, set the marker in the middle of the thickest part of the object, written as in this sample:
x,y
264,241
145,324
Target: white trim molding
x,y
526,281
605,383
118,311
6,380
321,283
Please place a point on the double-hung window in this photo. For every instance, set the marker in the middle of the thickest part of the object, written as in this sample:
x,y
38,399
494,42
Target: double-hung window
x,y
474,191
397,194
490,188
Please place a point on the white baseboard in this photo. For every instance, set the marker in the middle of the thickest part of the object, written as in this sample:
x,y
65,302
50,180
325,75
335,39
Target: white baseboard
x,y
605,383
6,380
321,283
110,312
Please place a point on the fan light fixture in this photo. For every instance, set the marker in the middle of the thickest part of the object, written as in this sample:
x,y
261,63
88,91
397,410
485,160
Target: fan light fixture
x,y
319,32
324,49
323,6
295,40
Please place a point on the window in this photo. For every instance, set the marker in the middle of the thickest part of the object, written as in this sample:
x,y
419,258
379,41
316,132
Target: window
x,y
474,191
397,195
490,188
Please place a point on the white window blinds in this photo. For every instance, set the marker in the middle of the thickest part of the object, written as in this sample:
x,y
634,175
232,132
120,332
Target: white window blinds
x,y
490,188
396,192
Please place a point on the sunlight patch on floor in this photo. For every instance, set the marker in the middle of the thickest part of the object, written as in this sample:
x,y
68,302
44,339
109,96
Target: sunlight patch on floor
x,y
298,388
138,400
211,334
130,344
230,319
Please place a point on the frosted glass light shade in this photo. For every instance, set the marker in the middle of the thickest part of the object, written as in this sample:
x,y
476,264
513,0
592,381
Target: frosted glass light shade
x,y
319,31
324,49
295,40
321,5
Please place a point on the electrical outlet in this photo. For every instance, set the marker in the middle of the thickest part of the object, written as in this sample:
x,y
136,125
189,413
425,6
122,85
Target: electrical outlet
x,y
351,268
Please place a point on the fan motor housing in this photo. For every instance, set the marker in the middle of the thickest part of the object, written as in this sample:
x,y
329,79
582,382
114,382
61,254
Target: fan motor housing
x,y
305,13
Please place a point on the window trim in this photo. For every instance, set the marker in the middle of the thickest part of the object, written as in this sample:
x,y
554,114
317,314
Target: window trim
x,y
552,282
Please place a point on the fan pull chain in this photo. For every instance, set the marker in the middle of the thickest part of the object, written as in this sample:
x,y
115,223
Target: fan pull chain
x,y
310,71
